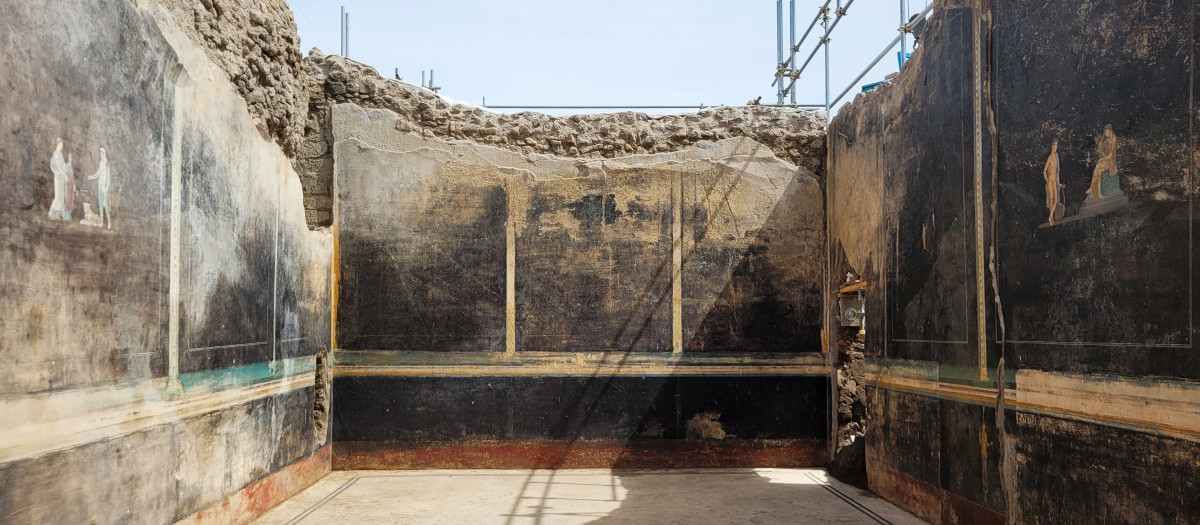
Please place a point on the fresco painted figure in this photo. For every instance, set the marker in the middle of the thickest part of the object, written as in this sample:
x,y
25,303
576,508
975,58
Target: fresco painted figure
x,y
1103,195
58,166
103,176
69,202
1105,181
1053,187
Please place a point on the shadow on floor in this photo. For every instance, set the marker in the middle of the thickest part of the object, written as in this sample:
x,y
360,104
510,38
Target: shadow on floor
x,y
763,496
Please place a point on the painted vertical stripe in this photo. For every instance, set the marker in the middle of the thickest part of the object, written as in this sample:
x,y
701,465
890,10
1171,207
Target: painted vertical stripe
x,y
335,261
510,279
981,310
279,181
677,262
335,277
173,334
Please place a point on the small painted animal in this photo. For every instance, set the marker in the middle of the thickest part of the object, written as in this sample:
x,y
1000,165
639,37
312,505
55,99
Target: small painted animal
x,y
90,218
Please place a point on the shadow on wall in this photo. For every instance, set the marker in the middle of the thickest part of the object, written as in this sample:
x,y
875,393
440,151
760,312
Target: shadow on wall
x,y
593,270
424,254
750,313
771,295
685,418
595,266
750,260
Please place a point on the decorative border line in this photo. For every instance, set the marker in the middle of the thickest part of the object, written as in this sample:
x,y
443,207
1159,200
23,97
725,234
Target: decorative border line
x,y
978,30
374,363
1094,399
226,347
894,274
62,420
1094,343
566,454
549,370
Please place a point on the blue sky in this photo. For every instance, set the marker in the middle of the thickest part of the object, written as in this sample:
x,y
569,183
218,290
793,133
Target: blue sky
x,y
600,52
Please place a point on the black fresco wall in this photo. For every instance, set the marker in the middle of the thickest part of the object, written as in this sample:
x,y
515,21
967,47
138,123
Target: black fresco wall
x,y
424,230
760,293
254,282
1109,292
930,203
434,410
418,272
96,413
1097,302
427,231
227,313
604,282
83,303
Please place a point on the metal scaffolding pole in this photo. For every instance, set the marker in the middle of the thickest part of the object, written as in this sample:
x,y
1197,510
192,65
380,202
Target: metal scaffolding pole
x,y
829,23
825,41
345,32
779,49
805,106
903,38
904,29
784,66
792,37
867,70
841,12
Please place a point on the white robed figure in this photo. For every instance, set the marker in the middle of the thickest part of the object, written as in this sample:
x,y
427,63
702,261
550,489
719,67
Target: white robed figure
x,y
58,207
103,178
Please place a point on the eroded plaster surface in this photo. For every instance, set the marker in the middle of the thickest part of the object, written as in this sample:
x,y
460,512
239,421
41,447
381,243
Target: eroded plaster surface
x,y
166,297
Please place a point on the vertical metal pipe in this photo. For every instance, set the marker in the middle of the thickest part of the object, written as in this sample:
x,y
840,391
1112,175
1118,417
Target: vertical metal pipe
x,y
779,50
347,35
342,32
791,40
903,37
826,25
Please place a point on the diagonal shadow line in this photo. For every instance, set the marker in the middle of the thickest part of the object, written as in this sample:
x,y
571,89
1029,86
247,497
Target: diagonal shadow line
x,y
323,501
848,499
593,401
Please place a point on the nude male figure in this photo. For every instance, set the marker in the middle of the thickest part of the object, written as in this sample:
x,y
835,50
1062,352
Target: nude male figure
x,y
1053,187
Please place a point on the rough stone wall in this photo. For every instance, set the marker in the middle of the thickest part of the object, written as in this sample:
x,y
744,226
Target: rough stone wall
x,y
790,134
255,42
849,459
793,135
313,160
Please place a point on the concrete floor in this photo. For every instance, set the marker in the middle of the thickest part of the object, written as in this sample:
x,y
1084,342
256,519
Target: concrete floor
x,y
584,496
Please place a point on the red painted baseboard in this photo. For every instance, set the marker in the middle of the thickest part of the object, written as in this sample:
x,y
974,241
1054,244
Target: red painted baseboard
x,y
255,499
927,501
379,455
